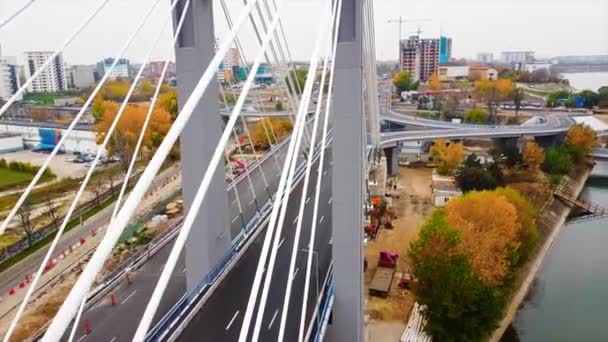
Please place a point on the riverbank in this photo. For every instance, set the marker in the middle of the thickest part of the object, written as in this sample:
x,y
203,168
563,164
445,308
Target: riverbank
x,y
552,220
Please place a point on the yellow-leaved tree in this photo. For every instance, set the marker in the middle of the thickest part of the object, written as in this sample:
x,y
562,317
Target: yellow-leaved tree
x,y
269,131
127,131
581,139
489,228
448,155
533,155
434,82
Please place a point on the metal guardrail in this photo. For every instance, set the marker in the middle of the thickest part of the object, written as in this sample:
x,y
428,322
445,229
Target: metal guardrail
x,y
326,305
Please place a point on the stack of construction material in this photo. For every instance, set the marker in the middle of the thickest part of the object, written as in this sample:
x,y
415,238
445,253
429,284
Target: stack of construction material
x,y
173,209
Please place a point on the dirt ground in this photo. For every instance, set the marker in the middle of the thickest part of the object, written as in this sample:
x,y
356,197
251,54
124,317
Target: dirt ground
x,y
412,206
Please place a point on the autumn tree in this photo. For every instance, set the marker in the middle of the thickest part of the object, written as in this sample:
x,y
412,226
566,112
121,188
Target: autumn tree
x,y
167,101
116,90
50,211
27,227
581,140
489,228
492,92
448,155
435,82
268,131
97,189
403,81
533,155
459,305
127,131
527,215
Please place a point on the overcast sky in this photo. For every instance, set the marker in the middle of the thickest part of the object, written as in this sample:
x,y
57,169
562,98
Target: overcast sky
x,y
549,27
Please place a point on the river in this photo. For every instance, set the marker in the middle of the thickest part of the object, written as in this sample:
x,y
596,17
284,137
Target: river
x,y
569,298
587,80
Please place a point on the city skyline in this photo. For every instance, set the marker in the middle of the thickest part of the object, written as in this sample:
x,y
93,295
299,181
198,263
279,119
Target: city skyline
x,y
475,26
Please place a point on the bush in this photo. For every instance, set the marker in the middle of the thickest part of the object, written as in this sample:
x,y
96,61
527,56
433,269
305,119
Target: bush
x,y
557,161
476,115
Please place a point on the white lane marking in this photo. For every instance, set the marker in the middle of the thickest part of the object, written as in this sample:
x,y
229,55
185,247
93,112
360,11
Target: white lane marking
x,y
331,199
272,320
232,320
308,200
235,218
281,243
128,297
324,172
184,271
112,340
331,240
82,338
331,162
295,273
321,219
252,201
296,219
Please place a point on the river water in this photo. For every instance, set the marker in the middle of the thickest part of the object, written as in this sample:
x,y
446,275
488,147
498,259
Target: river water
x,y
587,80
569,299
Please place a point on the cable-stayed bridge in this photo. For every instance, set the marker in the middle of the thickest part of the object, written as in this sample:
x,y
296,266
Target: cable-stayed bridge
x,y
272,254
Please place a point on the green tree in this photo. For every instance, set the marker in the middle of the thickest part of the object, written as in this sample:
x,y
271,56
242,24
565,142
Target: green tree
x,y
459,306
590,97
602,98
403,81
555,97
476,115
471,175
557,160
279,106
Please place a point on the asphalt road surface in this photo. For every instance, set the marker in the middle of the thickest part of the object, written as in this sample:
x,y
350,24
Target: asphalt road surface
x,y
221,318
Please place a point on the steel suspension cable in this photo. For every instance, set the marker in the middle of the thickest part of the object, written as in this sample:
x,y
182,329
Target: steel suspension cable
x,y
70,305
304,194
16,14
74,204
290,162
78,116
62,47
198,199
137,147
257,97
236,192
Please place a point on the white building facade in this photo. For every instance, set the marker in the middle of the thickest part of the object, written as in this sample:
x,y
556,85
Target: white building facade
x,y
52,78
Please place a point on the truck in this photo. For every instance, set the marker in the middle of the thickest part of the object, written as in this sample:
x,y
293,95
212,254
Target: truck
x,y
385,272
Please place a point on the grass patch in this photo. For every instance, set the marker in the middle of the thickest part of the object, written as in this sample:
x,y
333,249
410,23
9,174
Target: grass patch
x,y
10,178
39,195
8,240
